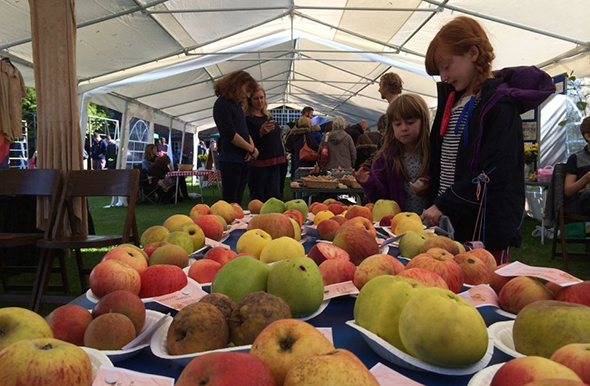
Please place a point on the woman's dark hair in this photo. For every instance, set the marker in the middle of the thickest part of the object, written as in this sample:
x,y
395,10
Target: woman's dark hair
x,y
229,85
147,154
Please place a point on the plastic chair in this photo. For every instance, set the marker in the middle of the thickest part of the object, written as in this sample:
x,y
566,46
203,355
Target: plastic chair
x,y
31,182
96,183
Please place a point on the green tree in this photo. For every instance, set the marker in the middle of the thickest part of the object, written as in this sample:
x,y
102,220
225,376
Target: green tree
x,y
95,124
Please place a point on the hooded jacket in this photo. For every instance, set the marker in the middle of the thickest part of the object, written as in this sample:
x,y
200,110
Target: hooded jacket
x,y
495,147
384,183
341,150
365,154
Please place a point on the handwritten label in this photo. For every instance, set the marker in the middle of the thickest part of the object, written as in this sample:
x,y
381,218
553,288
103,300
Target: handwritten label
x,y
340,289
554,275
388,377
115,376
213,243
481,295
190,294
327,332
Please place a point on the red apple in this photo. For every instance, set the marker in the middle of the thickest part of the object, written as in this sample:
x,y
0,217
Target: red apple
x,y
359,211
447,268
497,281
254,206
226,369
555,288
386,221
521,291
151,247
221,255
323,251
336,208
211,226
327,229
486,257
337,271
357,242
127,255
69,323
317,207
113,275
122,302
426,277
339,219
199,210
577,293
374,266
475,271
161,280
575,357
362,223
520,371
275,224
295,215
204,270
556,382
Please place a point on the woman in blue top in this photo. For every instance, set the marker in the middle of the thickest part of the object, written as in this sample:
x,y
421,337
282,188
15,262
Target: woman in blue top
x,y
236,147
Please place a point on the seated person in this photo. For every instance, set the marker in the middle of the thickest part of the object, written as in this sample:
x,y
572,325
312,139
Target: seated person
x,y
157,167
577,178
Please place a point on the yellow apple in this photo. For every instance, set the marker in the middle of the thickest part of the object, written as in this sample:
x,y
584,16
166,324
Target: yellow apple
x,y
19,323
253,242
175,222
281,249
296,229
321,216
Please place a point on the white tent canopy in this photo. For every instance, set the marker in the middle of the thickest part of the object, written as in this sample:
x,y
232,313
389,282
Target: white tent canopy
x,y
162,56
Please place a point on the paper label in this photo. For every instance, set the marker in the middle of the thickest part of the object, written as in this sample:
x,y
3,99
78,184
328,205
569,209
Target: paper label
x,y
246,219
340,289
388,377
481,295
190,294
310,216
115,376
213,243
327,332
554,275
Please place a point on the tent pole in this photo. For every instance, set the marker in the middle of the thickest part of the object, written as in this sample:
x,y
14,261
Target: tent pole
x,y
296,7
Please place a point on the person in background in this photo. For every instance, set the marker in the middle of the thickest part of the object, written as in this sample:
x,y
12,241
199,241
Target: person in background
x,y
98,152
307,112
156,168
112,152
355,131
390,86
162,146
477,158
295,140
403,159
577,177
237,147
266,133
201,151
341,150
365,151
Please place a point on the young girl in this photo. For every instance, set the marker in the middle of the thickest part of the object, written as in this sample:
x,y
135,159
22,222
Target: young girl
x,y
476,159
403,159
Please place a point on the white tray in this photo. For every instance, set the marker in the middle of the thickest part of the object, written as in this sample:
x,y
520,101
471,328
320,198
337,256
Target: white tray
x,y
317,312
151,317
506,314
501,333
485,376
394,355
94,299
159,347
97,359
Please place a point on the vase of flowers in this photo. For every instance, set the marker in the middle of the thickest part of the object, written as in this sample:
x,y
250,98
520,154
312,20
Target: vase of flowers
x,y
531,152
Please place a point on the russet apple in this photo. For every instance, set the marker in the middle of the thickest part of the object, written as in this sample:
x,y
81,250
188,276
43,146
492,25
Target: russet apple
x,y
109,331
196,234
222,302
122,302
374,266
384,208
221,255
204,270
285,342
577,293
45,362
171,255
576,357
113,275
175,222
425,276
321,252
129,256
211,226
153,235
336,271
440,242
182,239
225,210
253,242
298,205
336,368
19,324
296,215
327,229
521,291
357,242
521,371
160,280
275,224
231,280
254,206
359,211
151,247
238,211
410,244
69,322
475,271
281,249
273,205
447,268
199,210
226,369
362,223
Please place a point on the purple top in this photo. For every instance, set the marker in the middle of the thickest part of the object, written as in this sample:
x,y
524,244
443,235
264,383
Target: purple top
x,y
384,183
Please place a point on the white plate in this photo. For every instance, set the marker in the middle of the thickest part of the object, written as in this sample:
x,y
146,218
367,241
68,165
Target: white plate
x,y
501,333
151,317
94,299
485,376
97,359
400,358
159,347
317,312
507,314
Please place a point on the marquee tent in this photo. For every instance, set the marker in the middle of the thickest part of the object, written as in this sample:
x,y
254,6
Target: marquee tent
x,y
157,59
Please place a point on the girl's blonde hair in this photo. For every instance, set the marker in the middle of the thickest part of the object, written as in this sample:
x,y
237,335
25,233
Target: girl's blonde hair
x,y
457,37
247,105
406,106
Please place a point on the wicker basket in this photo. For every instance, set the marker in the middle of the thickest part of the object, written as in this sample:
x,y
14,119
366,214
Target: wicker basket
x,y
185,167
315,184
350,183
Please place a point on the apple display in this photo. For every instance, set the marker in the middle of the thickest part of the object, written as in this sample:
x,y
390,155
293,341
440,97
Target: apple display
x,y
337,271
357,242
128,255
275,224
210,226
231,281
576,357
175,222
521,371
204,270
69,322
384,208
196,234
113,275
374,266
521,291
153,235
225,210
475,271
181,239
281,249
252,242
321,252
160,280
254,206
221,255
448,269
122,302
171,255
19,324
109,331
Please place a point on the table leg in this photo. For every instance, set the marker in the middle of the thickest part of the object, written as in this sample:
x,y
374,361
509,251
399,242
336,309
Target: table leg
x,y
176,193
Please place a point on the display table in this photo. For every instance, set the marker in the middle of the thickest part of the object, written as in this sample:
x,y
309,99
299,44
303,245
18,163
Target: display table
x,y
356,192
335,315
211,175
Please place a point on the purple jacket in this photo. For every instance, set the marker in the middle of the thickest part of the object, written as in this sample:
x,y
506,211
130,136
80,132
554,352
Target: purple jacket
x,y
384,183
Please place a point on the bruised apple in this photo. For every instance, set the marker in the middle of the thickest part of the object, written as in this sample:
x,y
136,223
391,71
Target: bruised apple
x,y
475,271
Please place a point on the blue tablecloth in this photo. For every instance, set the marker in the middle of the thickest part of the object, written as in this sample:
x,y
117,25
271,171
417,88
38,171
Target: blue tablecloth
x,y
335,315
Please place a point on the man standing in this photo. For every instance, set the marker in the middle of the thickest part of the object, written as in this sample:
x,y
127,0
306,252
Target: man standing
x,y
98,152
307,112
390,86
111,153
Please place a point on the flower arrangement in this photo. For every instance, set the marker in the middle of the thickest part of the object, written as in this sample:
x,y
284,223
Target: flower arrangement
x,y
202,157
531,152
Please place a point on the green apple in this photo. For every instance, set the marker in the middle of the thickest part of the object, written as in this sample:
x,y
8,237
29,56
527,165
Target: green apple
x,y
282,248
175,222
440,327
273,205
297,281
222,221
46,362
19,323
299,205
196,234
253,242
240,277
384,208
181,239
380,303
410,244
154,234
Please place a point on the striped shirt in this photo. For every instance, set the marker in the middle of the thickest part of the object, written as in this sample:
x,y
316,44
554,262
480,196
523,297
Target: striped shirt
x,y
450,145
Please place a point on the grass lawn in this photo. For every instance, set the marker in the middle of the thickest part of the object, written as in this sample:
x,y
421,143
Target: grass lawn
x,y
110,221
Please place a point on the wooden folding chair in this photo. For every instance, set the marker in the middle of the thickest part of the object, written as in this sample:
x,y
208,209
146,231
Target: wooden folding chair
x,y
96,183
25,182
